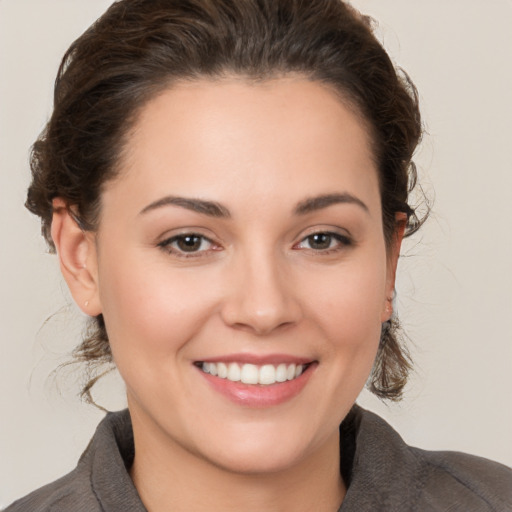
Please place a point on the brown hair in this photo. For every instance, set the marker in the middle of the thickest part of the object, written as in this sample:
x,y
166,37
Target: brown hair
x,y
138,48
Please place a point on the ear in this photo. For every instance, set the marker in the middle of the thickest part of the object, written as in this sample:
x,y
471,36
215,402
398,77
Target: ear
x,y
392,257
76,251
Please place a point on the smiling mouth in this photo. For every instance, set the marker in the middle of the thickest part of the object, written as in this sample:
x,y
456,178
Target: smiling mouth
x,y
264,375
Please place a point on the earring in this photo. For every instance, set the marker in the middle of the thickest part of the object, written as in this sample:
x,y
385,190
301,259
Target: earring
x,y
389,304
86,303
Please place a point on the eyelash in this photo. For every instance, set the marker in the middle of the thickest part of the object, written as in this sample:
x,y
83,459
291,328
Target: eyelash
x,y
168,245
343,241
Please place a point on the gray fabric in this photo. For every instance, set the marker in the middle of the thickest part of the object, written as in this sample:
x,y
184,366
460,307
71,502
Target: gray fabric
x,y
383,473
388,475
100,482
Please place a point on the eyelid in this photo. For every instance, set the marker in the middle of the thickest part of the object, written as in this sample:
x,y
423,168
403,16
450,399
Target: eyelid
x,y
344,239
327,229
166,244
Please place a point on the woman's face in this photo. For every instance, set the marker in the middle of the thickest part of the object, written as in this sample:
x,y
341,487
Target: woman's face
x,y
243,237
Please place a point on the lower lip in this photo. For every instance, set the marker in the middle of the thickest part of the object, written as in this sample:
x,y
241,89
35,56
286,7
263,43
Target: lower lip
x,y
258,396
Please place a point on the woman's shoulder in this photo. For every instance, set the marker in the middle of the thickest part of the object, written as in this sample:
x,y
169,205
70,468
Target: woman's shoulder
x,y
100,480
71,492
388,474
460,477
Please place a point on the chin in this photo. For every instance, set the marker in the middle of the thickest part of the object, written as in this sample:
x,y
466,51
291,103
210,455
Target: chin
x,y
248,462
257,450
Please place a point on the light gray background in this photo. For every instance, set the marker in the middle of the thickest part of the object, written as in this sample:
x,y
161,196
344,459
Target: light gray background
x,y
455,285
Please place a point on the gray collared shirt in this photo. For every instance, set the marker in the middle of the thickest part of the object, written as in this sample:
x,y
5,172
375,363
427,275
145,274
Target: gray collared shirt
x,y
382,473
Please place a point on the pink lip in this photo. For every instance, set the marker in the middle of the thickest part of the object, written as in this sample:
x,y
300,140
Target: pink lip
x,y
257,396
258,359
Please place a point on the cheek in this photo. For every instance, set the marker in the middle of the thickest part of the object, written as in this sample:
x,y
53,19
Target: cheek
x,y
351,299
150,311
344,318
346,313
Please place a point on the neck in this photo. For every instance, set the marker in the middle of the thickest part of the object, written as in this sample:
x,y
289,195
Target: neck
x,y
169,477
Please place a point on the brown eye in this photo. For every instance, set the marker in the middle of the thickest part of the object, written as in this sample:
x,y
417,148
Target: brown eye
x,y
189,243
320,241
324,242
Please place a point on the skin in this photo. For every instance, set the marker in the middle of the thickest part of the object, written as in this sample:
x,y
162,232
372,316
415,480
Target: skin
x,y
257,285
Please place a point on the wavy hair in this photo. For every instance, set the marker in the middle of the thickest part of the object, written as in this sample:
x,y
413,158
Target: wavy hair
x,y
139,48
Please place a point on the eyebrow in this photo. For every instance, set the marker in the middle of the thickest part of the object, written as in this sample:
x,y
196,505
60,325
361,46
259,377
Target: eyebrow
x,y
214,209
210,208
313,204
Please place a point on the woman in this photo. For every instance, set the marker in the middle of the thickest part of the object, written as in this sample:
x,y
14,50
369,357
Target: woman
x,y
226,186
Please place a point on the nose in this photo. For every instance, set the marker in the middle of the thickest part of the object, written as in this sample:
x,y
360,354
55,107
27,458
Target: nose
x,y
261,297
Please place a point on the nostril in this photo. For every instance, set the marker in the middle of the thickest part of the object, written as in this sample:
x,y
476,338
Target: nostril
x,y
262,325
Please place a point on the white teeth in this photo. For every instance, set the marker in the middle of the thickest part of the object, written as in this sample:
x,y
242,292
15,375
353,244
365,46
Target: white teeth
x,y
267,374
249,374
281,373
222,370
290,373
234,372
252,374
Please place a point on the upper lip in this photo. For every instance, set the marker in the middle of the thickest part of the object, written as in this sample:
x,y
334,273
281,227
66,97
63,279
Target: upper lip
x,y
258,359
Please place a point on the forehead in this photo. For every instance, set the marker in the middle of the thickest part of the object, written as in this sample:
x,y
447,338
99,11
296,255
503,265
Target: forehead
x,y
231,136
